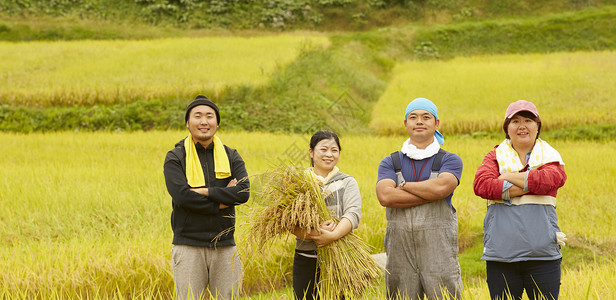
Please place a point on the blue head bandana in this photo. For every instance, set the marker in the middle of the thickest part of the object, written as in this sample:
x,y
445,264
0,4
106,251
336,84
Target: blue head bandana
x,y
427,105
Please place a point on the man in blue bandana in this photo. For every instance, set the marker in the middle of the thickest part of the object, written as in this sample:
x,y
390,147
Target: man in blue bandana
x,y
416,185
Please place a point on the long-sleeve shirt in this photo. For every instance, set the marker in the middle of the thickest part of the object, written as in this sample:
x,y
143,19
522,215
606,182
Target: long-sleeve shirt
x,y
519,232
196,219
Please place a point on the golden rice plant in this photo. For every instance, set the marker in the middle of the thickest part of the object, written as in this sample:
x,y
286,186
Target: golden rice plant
x,y
472,93
289,199
67,73
292,198
347,269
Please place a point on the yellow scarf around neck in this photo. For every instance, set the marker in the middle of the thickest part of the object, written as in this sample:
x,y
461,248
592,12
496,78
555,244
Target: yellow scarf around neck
x,y
194,171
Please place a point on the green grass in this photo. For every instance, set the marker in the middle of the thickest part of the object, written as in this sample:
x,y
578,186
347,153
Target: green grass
x,y
297,86
317,90
48,28
335,15
42,74
301,96
472,93
588,30
88,214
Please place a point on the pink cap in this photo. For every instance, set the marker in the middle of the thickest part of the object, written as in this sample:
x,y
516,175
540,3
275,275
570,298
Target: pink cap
x,y
521,105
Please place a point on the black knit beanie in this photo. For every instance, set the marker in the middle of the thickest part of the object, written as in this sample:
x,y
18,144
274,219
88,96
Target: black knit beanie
x,y
202,100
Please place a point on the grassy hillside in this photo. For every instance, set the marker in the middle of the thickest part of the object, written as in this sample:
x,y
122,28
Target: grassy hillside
x,y
590,29
86,73
340,84
260,14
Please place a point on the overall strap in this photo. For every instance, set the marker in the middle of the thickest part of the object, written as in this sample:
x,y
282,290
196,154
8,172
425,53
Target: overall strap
x,y
436,164
395,157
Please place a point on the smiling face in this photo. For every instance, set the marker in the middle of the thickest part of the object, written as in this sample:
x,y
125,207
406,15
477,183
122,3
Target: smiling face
x,y
325,155
202,124
420,126
522,131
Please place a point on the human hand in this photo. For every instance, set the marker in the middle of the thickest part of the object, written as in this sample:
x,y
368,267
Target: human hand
x,y
303,233
328,225
512,176
516,191
324,238
202,191
504,176
232,183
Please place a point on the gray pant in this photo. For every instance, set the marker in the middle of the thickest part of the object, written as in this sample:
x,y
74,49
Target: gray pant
x,y
196,268
422,252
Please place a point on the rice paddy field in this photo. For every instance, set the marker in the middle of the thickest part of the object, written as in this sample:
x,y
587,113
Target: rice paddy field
x,y
96,72
472,93
86,215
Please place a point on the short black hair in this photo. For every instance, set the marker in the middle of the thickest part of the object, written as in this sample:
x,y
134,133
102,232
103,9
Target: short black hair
x,y
323,135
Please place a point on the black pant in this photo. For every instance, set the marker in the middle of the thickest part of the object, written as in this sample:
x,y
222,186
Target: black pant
x,y
509,280
305,273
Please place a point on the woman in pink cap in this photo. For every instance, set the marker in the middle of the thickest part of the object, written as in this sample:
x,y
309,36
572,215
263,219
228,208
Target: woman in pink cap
x,y
520,179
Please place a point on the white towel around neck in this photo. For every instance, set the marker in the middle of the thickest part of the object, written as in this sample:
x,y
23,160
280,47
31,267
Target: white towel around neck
x,y
418,154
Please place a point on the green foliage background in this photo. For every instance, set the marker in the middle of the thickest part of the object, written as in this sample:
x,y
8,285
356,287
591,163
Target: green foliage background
x,y
272,14
357,65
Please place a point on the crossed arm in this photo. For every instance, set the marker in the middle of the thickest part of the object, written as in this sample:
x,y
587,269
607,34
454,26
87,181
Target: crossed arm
x,y
205,200
518,183
415,193
328,232
542,181
488,183
206,192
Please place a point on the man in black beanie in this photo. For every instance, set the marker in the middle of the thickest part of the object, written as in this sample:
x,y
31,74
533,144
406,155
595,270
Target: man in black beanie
x,y
206,180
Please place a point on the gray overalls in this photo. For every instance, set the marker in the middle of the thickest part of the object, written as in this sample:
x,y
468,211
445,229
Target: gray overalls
x,y
422,251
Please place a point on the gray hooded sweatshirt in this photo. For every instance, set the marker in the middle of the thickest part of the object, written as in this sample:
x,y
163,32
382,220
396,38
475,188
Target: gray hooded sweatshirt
x,y
343,200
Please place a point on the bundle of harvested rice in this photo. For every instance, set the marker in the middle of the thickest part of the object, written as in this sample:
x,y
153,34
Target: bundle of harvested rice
x,y
292,198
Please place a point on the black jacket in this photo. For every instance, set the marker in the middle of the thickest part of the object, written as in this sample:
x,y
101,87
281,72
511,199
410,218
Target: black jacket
x,y
196,220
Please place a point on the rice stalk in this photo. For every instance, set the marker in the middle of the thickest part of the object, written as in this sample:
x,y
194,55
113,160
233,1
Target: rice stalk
x,y
291,198
347,270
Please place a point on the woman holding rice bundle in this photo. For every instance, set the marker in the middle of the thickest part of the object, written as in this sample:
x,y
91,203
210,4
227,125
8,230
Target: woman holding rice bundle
x,y
520,179
343,200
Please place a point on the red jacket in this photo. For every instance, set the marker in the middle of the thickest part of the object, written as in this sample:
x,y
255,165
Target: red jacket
x,y
543,181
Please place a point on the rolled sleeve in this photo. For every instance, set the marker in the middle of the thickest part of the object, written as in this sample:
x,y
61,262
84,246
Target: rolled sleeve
x,y
507,185
486,183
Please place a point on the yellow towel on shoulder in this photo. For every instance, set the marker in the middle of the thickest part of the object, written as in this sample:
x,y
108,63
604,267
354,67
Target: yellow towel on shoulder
x,y
322,180
542,153
194,171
